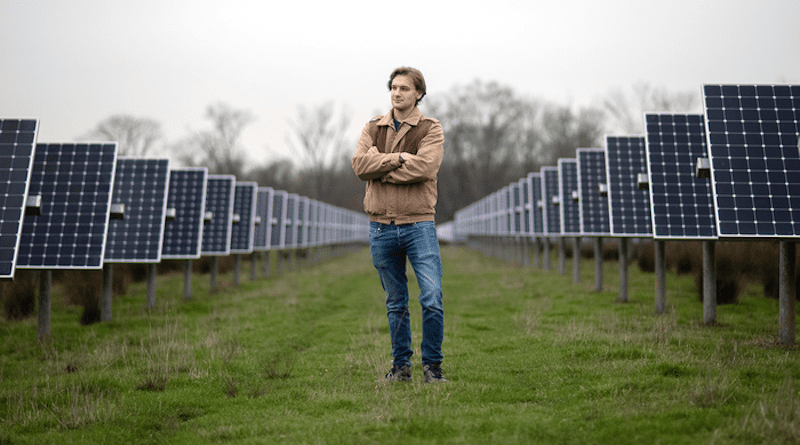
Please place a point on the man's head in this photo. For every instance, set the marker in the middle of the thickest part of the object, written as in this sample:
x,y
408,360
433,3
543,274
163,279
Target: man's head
x,y
414,76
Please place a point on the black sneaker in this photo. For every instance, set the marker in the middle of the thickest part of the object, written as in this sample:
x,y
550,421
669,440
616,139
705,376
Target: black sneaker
x,y
401,374
433,373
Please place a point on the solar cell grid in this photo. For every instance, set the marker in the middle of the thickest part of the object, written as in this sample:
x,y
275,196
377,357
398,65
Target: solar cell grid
x,y
570,208
537,210
17,141
243,232
752,135
219,201
301,221
682,204
550,201
311,224
141,185
187,195
525,206
277,232
75,182
594,206
264,212
629,206
290,220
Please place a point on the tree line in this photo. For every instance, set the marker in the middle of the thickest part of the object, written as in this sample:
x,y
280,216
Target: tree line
x,y
493,136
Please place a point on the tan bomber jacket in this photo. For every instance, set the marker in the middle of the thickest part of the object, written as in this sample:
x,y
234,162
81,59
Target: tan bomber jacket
x,y
403,192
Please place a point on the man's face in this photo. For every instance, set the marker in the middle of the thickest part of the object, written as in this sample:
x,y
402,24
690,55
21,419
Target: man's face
x,y
404,94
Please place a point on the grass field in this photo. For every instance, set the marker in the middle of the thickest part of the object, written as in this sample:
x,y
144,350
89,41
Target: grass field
x,y
298,358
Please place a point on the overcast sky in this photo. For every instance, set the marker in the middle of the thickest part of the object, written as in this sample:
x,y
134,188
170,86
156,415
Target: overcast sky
x,y
73,63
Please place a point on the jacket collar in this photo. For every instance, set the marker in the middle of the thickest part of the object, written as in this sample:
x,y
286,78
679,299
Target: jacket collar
x,y
412,119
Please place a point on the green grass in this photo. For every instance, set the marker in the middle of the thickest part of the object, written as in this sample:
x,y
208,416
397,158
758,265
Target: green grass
x,y
298,358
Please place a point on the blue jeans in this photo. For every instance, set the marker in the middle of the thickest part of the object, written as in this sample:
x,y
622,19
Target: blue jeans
x,y
390,245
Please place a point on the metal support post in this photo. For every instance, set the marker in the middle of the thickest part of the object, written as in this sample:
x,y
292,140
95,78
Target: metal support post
x,y
661,275
623,270
187,280
237,269
546,252
214,273
106,296
45,281
709,282
151,285
598,264
786,297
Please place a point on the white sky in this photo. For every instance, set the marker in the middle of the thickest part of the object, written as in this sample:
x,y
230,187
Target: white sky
x,y
73,63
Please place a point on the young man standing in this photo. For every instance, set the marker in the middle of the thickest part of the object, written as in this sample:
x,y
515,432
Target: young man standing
x,y
398,156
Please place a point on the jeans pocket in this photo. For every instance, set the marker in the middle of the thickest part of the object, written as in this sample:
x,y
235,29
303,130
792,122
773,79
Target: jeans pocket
x,y
374,230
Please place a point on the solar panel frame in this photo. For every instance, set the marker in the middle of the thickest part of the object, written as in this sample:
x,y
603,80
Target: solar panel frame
x,y
515,209
264,212
682,205
550,198
141,185
219,201
569,208
629,207
70,232
244,205
301,221
537,205
183,236
312,223
595,219
18,138
278,226
525,207
290,221
752,139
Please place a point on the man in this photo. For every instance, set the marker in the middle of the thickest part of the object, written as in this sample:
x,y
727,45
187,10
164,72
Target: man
x,y
398,156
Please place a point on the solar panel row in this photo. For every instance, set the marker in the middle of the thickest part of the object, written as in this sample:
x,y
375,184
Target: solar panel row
x,y
75,183
17,140
141,186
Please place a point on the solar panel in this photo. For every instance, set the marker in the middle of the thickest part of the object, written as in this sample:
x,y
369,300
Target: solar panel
x,y
219,201
629,206
537,204
278,227
515,209
17,143
570,197
141,186
593,189
289,220
752,133
525,206
74,181
301,221
501,214
312,223
183,234
682,204
243,230
550,201
264,214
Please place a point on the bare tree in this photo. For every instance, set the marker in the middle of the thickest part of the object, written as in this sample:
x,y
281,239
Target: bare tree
x,y
562,131
626,109
486,130
319,137
135,136
219,149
